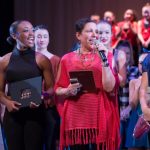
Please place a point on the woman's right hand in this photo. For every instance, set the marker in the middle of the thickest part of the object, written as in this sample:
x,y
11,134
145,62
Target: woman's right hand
x,y
12,106
73,89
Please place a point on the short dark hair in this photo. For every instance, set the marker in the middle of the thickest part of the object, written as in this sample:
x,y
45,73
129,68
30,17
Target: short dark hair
x,y
41,26
124,43
79,25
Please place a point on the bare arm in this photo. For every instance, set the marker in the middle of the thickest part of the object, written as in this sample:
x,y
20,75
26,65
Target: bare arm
x,y
143,89
133,99
140,32
108,79
122,68
4,99
133,27
70,90
134,86
46,68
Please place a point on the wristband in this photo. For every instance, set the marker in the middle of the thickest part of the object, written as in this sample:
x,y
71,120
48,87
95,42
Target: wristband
x,y
46,95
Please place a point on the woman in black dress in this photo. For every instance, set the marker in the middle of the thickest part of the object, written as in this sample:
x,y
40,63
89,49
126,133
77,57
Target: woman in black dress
x,y
23,126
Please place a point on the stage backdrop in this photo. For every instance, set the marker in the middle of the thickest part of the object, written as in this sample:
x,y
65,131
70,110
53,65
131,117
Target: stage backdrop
x,y
60,16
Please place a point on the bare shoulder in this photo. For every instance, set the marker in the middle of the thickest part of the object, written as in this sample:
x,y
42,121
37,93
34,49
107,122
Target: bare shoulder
x,y
55,59
42,60
5,60
40,57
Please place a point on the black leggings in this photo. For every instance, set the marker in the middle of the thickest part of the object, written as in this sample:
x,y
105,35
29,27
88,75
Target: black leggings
x,y
79,147
24,129
51,128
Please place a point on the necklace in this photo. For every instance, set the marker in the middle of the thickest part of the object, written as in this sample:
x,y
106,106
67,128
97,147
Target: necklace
x,y
86,59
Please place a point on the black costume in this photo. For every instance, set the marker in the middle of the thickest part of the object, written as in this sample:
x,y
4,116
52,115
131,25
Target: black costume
x,y
23,128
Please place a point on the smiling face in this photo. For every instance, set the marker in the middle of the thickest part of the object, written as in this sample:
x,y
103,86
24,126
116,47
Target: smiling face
x,y
105,34
146,12
129,15
41,39
87,35
109,16
24,35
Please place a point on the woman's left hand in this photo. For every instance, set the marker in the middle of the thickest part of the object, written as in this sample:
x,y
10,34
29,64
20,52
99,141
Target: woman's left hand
x,y
125,113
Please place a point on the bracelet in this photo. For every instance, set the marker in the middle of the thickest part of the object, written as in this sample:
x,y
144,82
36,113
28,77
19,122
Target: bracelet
x,y
46,95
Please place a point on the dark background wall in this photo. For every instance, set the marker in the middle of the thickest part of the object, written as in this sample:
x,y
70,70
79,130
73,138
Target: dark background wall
x,y
6,18
60,16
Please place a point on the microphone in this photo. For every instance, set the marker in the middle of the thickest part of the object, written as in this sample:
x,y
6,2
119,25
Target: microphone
x,y
101,53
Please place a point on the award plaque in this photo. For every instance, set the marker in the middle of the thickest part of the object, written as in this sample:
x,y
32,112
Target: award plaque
x,y
85,78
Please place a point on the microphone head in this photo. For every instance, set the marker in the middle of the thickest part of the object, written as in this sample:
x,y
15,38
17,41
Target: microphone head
x,y
96,42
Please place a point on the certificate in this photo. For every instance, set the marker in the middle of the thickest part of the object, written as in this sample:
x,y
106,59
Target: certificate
x,y
26,91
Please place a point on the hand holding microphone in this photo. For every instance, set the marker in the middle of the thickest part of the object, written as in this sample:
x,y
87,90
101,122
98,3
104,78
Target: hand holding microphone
x,y
101,52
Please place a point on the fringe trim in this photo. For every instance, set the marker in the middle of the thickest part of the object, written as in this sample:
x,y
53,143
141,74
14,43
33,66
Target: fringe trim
x,y
86,136
109,145
81,136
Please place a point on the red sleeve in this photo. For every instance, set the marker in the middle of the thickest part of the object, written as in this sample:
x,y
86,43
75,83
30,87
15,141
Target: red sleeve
x,y
61,81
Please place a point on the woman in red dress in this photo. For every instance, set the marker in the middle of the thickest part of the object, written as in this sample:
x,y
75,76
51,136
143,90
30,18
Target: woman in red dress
x,y
144,28
129,32
90,120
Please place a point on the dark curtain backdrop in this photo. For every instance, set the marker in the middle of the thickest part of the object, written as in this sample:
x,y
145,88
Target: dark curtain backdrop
x,y
6,18
60,16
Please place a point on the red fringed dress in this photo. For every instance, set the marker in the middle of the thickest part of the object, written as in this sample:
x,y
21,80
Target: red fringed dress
x,y
92,118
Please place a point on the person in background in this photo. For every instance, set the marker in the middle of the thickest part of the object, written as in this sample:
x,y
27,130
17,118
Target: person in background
x,y
110,17
144,89
42,40
90,120
96,18
135,111
144,29
131,73
119,56
23,126
52,120
129,32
